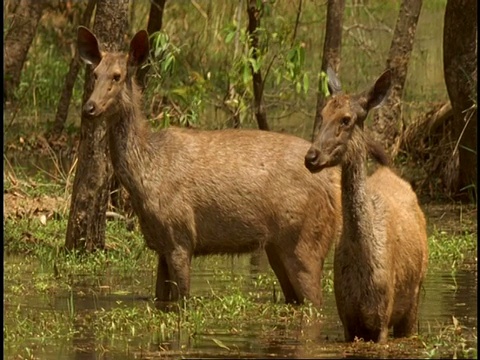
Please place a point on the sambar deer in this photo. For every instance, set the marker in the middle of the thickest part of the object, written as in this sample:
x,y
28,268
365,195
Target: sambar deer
x,y
381,258
199,192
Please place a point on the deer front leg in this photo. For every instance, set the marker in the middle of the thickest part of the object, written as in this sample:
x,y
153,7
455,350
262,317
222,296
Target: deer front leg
x,y
178,261
163,285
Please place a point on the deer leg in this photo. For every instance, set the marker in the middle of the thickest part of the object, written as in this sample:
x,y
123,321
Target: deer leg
x,y
408,323
178,262
163,285
282,276
383,335
349,337
305,273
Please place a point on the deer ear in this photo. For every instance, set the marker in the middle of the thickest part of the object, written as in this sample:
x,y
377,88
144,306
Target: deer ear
x,y
88,46
379,91
139,48
334,85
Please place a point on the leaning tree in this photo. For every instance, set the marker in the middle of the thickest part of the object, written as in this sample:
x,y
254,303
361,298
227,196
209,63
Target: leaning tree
x,y
332,47
460,69
87,218
387,119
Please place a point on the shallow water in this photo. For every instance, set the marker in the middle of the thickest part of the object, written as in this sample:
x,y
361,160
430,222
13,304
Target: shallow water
x,y
445,295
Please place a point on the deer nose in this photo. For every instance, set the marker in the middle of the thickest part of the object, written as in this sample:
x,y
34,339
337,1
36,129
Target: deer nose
x,y
89,108
311,157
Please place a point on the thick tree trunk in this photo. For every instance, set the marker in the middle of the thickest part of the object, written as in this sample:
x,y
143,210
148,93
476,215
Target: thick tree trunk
x,y
254,15
70,78
20,35
386,119
86,223
332,47
155,20
460,68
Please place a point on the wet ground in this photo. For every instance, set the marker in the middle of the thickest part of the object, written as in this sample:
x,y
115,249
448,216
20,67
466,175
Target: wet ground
x,y
445,295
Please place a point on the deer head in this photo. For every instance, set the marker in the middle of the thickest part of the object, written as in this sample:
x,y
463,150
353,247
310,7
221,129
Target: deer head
x,y
112,71
342,116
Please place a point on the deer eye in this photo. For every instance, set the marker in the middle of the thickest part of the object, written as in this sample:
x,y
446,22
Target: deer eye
x,y
116,77
345,121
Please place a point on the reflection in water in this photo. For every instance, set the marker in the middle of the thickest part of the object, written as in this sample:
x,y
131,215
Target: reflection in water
x,y
449,294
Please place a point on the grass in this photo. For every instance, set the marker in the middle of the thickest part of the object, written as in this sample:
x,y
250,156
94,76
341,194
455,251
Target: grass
x,y
459,340
452,251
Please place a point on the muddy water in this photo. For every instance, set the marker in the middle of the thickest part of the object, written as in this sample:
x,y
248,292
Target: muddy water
x,y
445,295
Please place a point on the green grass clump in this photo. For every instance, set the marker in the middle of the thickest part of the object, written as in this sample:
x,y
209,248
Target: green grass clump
x,y
453,341
452,251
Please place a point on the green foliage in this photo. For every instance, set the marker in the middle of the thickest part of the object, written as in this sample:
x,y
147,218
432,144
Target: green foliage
x,y
447,250
452,338
43,76
181,90
201,66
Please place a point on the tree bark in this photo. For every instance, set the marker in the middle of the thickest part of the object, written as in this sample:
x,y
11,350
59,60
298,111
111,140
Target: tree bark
x,y
332,47
23,28
254,15
460,69
70,78
385,128
155,20
86,222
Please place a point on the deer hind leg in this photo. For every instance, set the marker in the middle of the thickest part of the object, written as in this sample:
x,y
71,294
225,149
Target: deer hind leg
x,y
304,274
407,325
282,275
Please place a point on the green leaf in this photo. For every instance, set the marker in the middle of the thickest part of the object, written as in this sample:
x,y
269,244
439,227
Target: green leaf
x,y
323,84
246,73
255,64
306,83
301,55
298,87
229,37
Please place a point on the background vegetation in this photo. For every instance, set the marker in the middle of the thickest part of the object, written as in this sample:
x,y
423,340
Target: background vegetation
x,y
201,54
199,61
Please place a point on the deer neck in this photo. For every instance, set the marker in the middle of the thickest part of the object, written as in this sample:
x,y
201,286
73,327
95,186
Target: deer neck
x,y
129,141
356,206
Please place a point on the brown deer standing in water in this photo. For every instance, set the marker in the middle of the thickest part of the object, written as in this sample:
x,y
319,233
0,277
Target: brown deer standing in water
x,y
213,192
381,258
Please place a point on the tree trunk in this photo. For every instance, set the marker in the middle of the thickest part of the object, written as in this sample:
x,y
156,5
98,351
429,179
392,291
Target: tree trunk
x,y
86,222
254,15
70,78
20,35
386,119
332,47
155,20
460,68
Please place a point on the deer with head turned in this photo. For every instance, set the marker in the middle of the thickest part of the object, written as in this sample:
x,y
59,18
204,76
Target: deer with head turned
x,y
199,192
380,260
